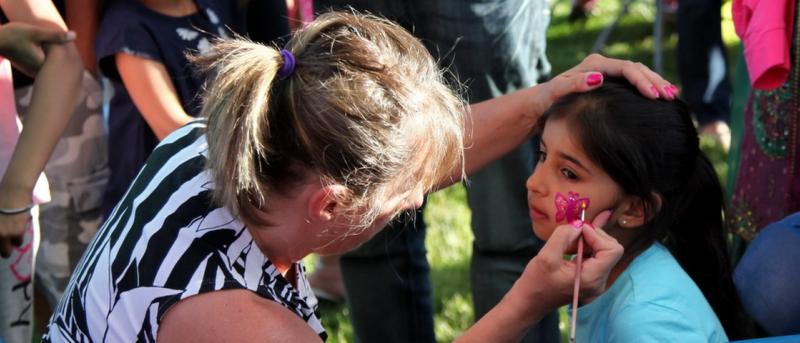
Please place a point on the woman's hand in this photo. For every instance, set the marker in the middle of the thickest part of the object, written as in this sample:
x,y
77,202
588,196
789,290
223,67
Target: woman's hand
x,y
589,75
547,282
24,44
12,227
552,277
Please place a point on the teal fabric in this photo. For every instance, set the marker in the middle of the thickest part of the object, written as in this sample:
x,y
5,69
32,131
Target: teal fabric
x,y
653,300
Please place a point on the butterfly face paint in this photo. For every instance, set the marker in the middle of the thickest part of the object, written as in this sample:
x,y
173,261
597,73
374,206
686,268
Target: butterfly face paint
x,y
569,208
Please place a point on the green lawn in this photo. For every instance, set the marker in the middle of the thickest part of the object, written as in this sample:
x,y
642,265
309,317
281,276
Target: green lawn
x,y
449,238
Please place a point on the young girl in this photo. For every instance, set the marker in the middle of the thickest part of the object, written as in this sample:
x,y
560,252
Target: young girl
x,y
641,158
308,149
141,48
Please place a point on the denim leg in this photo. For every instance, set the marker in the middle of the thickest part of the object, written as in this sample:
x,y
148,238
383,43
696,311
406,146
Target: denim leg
x,y
504,239
388,288
495,47
491,276
767,281
387,279
702,64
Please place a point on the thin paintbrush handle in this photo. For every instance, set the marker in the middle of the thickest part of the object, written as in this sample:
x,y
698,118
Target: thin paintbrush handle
x,y
576,290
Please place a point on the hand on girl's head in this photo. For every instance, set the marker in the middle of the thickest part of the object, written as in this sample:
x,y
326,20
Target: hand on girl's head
x,y
589,74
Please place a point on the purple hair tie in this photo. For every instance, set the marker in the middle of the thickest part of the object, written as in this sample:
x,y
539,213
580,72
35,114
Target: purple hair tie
x,y
288,64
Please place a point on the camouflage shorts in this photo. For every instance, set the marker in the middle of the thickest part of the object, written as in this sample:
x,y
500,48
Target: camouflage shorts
x,y
77,172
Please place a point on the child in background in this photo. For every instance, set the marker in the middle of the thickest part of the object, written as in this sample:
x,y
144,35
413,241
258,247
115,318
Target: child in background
x,y
141,48
641,158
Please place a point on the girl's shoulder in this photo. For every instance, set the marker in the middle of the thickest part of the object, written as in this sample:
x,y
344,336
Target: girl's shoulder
x,y
657,321
655,275
655,295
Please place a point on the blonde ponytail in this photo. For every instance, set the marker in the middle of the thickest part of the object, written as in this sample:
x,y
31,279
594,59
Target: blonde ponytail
x,y
236,103
366,107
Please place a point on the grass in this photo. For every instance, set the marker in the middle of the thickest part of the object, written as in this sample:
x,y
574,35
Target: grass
x,y
447,214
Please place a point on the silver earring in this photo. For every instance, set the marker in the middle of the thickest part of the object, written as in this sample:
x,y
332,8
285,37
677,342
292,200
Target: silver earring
x,y
623,222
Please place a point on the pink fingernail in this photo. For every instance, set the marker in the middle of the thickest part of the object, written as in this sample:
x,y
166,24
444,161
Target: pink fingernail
x,y
576,224
675,89
669,91
594,79
654,91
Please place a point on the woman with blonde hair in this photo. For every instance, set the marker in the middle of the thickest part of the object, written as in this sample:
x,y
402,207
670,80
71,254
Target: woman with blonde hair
x,y
311,149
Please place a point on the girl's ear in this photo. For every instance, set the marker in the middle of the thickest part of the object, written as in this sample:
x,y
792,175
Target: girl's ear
x,y
325,201
633,212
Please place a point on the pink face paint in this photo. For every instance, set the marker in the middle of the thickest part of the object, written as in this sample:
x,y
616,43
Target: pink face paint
x,y
570,208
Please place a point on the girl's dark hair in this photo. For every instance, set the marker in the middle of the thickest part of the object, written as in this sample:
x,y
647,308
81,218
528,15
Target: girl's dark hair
x,y
651,149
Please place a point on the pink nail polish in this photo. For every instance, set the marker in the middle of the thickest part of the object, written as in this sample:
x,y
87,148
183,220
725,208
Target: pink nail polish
x,y
576,224
675,89
654,91
594,79
669,91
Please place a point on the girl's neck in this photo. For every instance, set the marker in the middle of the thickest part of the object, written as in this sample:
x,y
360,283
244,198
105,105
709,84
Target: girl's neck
x,y
172,8
634,243
619,268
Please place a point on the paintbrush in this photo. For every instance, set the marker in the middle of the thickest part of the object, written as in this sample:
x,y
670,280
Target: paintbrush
x,y
577,287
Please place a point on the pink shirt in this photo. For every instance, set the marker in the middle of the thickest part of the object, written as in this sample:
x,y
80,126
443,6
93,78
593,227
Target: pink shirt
x,y
765,27
10,127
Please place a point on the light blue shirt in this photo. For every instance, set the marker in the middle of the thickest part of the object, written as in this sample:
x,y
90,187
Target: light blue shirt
x,y
653,300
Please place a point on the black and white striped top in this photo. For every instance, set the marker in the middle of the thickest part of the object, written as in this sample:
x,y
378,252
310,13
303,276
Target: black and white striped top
x,y
166,241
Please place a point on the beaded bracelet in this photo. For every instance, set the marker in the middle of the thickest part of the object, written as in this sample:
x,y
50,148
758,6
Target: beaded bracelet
x,y
13,211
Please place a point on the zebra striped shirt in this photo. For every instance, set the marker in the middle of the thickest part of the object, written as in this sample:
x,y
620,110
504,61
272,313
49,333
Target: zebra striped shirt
x,y
166,241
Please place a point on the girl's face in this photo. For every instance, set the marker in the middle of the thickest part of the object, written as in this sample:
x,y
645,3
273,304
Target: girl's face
x,y
563,167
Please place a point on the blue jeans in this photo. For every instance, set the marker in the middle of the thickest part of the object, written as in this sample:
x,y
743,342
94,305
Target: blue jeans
x,y
495,47
767,276
702,64
388,290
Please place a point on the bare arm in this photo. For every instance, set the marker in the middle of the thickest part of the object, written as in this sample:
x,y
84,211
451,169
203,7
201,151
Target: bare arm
x,y
55,94
496,126
232,316
152,92
547,283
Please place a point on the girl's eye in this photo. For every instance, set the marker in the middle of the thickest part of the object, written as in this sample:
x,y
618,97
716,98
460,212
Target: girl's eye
x,y
569,174
542,155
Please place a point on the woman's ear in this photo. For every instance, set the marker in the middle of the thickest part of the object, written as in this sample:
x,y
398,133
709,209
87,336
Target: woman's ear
x,y
633,212
325,201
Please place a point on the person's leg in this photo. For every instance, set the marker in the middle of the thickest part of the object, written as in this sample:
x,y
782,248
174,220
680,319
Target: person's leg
x,y
387,283
766,282
389,292
504,239
326,280
495,47
702,66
